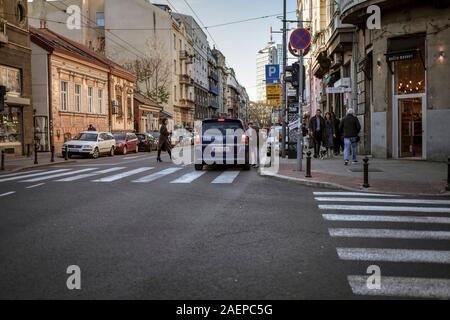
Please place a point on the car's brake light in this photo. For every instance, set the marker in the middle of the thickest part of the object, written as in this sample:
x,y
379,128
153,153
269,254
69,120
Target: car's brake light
x,y
197,140
244,139
221,120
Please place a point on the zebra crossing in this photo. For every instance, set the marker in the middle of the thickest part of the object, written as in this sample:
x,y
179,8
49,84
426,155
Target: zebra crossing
x,y
343,211
141,175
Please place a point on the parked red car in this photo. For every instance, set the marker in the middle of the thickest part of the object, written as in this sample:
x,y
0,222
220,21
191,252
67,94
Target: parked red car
x,y
126,142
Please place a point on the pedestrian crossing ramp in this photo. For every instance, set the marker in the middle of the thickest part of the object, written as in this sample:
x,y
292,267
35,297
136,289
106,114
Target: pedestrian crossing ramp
x,y
144,175
393,232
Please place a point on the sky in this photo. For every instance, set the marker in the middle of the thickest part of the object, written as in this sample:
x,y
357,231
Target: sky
x,y
238,42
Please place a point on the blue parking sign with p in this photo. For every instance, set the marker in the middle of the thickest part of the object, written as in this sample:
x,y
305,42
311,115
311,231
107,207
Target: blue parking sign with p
x,y
272,74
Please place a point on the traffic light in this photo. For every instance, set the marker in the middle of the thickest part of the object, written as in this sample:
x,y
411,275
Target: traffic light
x,y
2,98
293,78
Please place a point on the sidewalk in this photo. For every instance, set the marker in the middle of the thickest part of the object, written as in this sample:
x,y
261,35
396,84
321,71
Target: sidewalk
x,y
385,176
13,163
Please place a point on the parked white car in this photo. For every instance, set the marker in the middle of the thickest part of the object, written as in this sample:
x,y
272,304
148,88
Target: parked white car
x,y
90,143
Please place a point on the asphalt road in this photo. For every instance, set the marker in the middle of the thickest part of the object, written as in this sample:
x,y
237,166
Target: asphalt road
x,y
142,230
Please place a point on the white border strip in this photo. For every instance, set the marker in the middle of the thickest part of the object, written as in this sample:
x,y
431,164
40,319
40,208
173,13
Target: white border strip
x,y
394,255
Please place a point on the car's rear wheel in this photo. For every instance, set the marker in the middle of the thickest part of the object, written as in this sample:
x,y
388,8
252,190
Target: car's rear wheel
x,y
96,153
198,167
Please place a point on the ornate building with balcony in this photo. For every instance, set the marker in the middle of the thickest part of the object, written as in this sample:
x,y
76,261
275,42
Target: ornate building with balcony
x,y
16,116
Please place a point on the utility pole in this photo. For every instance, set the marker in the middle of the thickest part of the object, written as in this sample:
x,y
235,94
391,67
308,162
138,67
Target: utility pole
x,y
284,102
300,101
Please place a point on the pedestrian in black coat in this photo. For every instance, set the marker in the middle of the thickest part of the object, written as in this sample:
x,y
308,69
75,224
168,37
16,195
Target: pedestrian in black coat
x,y
164,141
317,131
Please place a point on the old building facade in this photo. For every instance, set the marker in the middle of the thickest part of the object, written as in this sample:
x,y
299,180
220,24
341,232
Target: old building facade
x,y
16,119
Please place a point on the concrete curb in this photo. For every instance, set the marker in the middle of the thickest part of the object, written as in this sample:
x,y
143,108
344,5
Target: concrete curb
x,y
34,166
335,186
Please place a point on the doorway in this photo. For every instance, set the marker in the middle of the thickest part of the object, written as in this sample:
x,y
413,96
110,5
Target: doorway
x,y
409,127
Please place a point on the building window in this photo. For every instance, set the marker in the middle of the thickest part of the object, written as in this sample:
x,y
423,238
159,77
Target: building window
x,y
63,96
175,42
100,100
11,79
409,77
100,19
175,93
77,98
175,66
21,13
90,100
129,108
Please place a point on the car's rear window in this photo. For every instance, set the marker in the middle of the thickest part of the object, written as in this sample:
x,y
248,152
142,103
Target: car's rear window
x,y
140,136
120,136
222,126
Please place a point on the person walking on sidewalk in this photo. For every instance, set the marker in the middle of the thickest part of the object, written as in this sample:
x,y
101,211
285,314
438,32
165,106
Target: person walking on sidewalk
x,y
329,134
350,128
317,130
337,142
164,141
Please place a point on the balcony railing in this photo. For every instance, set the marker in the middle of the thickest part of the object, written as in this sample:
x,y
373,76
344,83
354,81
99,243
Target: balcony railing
x,y
185,55
186,79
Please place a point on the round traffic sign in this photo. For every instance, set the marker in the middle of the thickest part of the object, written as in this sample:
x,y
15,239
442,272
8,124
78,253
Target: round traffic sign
x,y
300,39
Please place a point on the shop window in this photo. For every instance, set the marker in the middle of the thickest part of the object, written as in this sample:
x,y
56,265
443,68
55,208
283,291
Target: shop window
x,y
10,125
409,77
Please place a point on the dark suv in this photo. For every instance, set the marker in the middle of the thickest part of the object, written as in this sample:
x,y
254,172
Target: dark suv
x,y
221,142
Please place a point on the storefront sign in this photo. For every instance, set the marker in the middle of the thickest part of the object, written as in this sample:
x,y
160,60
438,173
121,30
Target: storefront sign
x,y
401,56
331,90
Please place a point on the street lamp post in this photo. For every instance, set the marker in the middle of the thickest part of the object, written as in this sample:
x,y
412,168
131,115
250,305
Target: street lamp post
x,y
284,102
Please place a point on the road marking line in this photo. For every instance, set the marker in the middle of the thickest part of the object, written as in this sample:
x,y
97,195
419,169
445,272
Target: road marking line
x,y
35,186
387,201
7,194
88,175
353,194
189,178
363,218
227,177
18,173
52,176
402,287
124,175
131,158
157,175
384,208
394,255
33,175
389,234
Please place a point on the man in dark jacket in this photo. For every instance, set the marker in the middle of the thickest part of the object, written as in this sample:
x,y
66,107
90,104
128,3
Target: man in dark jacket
x,y
350,128
317,130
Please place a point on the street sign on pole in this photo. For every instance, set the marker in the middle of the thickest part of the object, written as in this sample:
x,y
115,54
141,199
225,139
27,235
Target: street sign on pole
x,y
272,74
300,39
273,94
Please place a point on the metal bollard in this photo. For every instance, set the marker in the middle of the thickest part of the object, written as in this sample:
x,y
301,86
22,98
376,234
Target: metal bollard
x,y
366,173
36,154
66,154
308,165
3,161
52,159
448,174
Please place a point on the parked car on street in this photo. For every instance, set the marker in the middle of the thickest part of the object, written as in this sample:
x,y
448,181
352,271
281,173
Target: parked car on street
x,y
90,143
147,142
212,148
126,142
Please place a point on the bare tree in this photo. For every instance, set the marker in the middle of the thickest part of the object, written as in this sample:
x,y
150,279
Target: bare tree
x,y
260,114
153,72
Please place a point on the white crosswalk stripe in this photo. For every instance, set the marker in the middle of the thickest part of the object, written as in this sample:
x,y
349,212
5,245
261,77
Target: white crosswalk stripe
x,y
227,177
340,194
389,234
394,255
402,287
189,177
18,173
123,175
89,175
33,175
399,219
157,175
57,175
343,212
387,201
384,208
